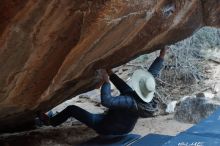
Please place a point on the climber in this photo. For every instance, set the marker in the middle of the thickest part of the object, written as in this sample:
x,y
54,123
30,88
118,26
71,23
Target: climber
x,y
123,110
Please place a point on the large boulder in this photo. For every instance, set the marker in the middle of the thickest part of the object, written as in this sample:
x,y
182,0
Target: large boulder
x,y
50,49
194,109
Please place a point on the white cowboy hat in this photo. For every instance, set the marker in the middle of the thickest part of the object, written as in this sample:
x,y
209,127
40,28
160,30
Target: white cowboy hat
x,y
144,84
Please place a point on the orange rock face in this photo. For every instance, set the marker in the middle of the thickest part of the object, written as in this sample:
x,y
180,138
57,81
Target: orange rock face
x,y
50,49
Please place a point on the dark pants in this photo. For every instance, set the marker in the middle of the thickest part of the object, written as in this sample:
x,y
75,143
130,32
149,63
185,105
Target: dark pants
x,y
91,120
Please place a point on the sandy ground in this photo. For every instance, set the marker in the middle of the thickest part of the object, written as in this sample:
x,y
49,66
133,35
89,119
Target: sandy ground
x,y
72,132
160,124
164,125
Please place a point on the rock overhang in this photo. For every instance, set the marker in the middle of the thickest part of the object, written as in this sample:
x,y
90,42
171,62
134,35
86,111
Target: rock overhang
x,y
50,50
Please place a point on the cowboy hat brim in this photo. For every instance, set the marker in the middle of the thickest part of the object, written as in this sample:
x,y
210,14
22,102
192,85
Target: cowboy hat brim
x,y
145,94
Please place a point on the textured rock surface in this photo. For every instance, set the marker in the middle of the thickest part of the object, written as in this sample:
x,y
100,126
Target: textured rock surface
x,y
50,49
194,109
62,136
